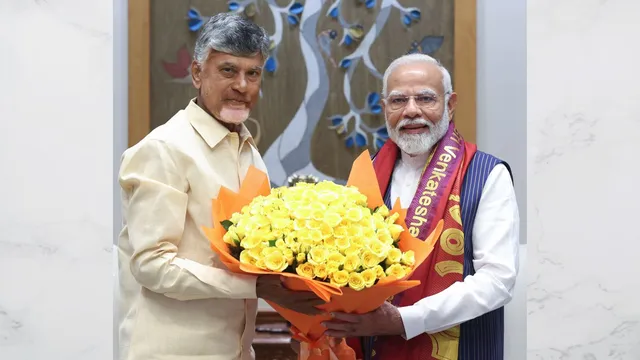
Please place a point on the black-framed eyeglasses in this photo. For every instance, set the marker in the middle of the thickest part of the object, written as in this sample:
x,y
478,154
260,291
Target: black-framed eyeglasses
x,y
424,101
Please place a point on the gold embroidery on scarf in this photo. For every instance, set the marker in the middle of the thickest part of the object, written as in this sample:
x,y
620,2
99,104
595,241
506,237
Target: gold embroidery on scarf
x,y
454,211
452,241
445,344
448,267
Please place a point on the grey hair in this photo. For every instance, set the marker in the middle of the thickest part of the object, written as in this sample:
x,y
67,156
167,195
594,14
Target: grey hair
x,y
231,34
413,58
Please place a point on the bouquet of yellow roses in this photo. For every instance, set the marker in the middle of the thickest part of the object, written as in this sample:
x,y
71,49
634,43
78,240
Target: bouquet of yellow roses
x,y
341,242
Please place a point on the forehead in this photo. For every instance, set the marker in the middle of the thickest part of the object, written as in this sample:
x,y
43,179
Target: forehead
x,y
217,58
416,76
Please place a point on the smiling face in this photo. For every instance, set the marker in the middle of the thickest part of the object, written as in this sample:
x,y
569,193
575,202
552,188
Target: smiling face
x,y
417,111
228,86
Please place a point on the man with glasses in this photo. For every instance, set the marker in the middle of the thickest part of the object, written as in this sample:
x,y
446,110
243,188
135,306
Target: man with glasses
x,y
456,313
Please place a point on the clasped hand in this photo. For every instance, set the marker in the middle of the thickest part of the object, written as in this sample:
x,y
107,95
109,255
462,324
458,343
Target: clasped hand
x,y
270,287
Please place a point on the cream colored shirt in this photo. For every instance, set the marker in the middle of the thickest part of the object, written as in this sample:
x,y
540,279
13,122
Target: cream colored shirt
x,y
177,300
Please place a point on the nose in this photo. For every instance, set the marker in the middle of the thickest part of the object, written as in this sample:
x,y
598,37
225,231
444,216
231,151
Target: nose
x,y
240,84
411,110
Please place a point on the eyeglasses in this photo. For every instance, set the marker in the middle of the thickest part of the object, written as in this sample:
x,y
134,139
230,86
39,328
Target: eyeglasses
x,y
427,101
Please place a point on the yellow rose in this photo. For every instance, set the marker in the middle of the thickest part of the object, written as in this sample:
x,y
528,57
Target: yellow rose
x,y
378,248
280,222
342,243
304,235
395,230
340,232
280,244
301,257
320,271
268,251
330,242
295,247
332,218
332,267
260,263
396,270
246,258
302,213
385,237
305,270
305,248
262,234
369,231
392,218
276,261
250,242
340,278
288,254
369,259
335,257
369,276
382,210
318,206
408,258
358,241
260,220
231,238
255,253
326,231
299,224
393,256
235,217
354,214
353,250
240,230
379,272
356,281
318,255
352,263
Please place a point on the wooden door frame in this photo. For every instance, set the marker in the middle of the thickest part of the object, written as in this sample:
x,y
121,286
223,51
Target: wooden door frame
x,y
139,102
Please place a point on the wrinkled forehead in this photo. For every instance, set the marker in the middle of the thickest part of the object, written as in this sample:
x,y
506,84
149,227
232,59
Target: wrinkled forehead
x,y
417,77
224,59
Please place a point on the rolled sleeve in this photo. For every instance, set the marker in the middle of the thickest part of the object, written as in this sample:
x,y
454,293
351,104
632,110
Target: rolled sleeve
x,y
155,198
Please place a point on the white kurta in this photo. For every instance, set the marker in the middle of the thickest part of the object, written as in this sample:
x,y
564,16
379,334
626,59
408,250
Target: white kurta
x,y
495,253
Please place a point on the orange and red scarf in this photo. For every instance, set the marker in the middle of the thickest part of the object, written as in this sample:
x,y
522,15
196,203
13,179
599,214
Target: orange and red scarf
x,y
437,197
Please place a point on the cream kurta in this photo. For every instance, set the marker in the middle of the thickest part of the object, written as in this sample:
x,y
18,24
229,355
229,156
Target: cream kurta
x,y
178,301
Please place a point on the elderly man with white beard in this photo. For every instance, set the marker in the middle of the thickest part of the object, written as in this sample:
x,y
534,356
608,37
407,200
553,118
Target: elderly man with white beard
x,y
456,313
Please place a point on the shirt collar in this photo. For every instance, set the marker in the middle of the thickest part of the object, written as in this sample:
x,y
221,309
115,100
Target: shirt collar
x,y
210,129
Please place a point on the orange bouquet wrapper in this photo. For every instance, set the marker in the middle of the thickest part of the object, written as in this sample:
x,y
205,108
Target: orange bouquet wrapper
x,y
308,329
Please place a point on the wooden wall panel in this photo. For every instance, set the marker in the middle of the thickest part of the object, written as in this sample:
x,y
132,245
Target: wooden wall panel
x,y
307,85
139,74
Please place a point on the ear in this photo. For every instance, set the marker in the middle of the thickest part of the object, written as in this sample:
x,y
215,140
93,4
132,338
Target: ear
x,y
452,103
196,75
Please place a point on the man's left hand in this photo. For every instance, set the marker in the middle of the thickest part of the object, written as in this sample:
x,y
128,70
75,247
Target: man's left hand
x,y
385,320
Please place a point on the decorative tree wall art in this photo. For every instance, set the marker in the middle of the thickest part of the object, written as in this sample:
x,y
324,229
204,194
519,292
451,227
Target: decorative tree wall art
x,y
320,102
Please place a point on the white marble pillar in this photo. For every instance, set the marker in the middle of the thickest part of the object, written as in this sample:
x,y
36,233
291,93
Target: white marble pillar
x,y
56,177
583,203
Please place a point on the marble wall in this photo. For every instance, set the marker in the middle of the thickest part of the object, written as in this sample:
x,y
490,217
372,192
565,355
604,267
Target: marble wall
x,y
56,195
56,155
583,125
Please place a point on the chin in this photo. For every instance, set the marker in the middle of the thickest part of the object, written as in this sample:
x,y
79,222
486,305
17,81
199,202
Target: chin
x,y
234,116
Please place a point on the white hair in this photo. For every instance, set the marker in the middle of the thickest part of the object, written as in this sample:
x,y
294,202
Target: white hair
x,y
414,58
231,34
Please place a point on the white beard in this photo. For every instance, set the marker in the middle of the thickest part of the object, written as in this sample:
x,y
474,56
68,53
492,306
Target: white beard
x,y
416,144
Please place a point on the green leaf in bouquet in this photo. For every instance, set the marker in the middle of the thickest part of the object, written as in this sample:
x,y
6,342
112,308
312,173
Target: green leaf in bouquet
x,y
226,224
272,243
